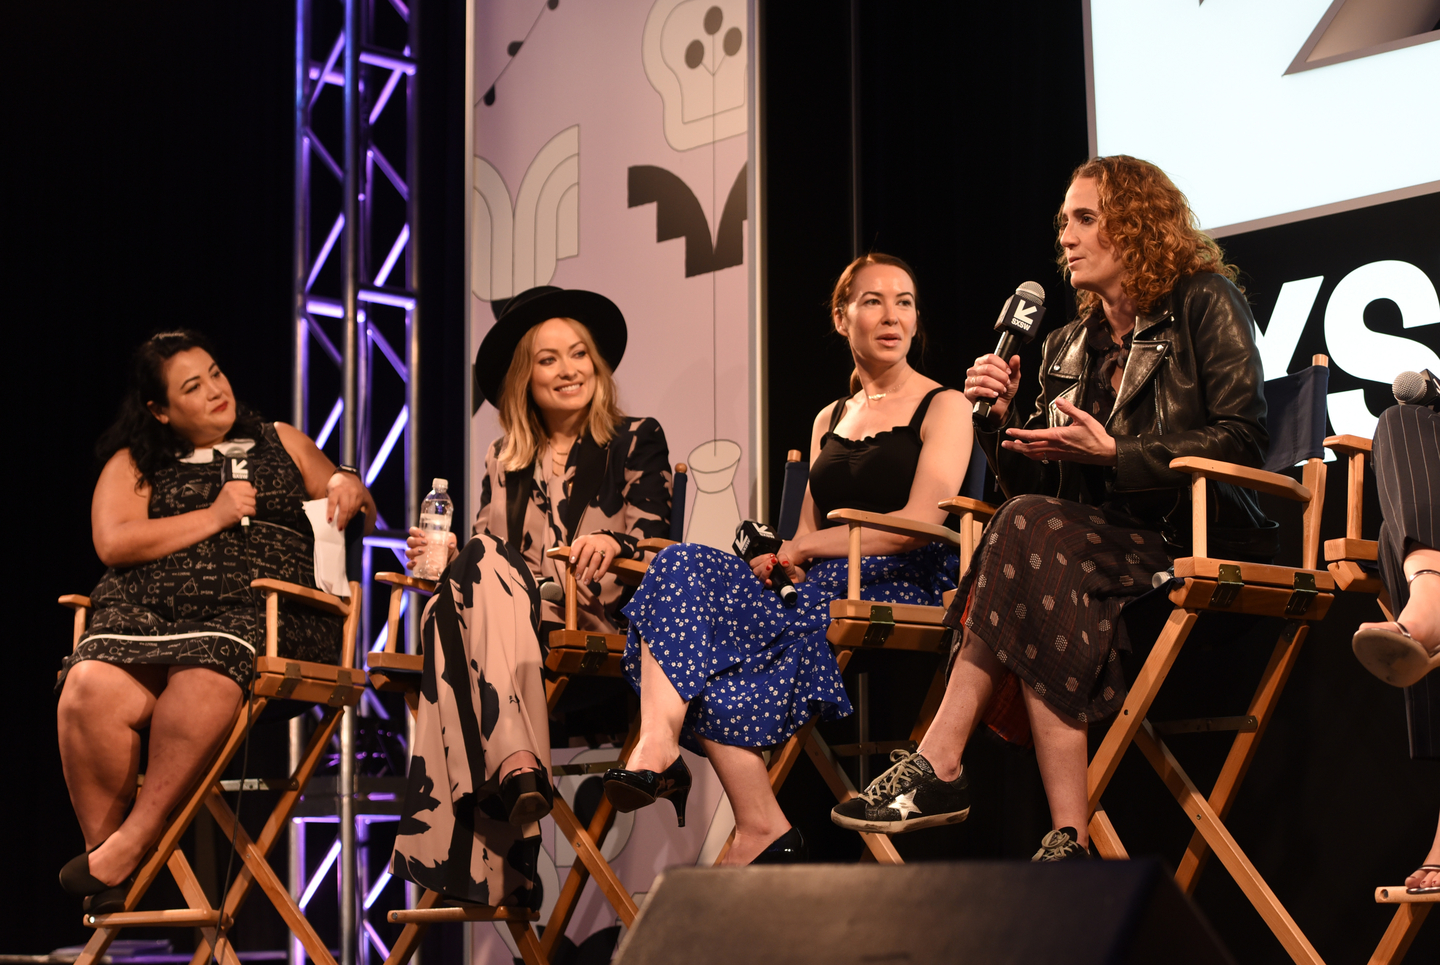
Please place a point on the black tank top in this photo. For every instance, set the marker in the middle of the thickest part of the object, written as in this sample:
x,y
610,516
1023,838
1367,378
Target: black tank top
x,y
871,474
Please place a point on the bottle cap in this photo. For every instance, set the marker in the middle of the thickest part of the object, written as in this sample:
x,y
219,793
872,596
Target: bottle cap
x,y
439,485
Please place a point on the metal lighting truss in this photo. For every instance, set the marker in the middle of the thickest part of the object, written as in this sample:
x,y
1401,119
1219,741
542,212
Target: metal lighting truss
x,y
356,285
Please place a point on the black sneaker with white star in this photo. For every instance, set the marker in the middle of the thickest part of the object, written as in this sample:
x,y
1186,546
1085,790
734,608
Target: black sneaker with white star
x,y
1061,845
907,797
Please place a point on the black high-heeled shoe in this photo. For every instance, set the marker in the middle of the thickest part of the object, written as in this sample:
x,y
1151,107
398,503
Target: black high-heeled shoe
x,y
632,790
76,879
100,898
527,795
789,848
110,900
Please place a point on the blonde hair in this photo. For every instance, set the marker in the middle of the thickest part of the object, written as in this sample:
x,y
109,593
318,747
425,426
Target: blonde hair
x,y
520,417
1149,220
840,299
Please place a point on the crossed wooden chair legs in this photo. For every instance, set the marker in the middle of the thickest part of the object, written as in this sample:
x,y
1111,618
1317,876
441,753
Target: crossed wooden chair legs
x,y
255,870
400,672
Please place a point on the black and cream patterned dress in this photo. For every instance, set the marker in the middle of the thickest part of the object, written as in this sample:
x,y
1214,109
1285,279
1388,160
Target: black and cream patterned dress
x,y
195,606
625,485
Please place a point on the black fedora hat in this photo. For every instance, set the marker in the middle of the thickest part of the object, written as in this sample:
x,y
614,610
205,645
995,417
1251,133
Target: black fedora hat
x,y
540,304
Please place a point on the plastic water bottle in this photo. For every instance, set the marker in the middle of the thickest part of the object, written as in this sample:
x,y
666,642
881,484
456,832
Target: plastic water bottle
x,y
435,514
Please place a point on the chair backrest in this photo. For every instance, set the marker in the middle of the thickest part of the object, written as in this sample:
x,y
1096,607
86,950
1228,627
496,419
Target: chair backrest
x,y
792,494
1295,416
974,485
681,482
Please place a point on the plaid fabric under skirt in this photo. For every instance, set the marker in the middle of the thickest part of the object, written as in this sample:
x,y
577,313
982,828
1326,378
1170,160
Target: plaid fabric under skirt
x,y
1044,592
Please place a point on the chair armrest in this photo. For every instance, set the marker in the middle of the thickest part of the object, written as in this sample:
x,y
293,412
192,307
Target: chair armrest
x,y
886,523
1257,479
618,567
967,505
407,582
654,544
309,596
82,607
1347,445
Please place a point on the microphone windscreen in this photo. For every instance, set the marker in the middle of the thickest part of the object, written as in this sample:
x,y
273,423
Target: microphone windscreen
x,y
1031,290
1408,387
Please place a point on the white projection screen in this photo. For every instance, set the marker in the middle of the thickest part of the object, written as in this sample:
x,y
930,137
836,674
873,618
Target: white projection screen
x,y
1269,112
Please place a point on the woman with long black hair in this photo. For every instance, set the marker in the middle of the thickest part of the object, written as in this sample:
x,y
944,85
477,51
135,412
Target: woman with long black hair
x,y
175,629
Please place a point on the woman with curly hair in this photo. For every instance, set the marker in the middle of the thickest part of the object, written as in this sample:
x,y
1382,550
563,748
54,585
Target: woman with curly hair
x,y
1159,363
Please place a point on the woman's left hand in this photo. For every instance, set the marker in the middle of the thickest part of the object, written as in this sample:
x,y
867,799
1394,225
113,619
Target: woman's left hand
x,y
1083,440
591,555
345,494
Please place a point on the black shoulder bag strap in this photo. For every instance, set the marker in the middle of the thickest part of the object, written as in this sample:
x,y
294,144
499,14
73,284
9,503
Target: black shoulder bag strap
x,y
589,473
517,496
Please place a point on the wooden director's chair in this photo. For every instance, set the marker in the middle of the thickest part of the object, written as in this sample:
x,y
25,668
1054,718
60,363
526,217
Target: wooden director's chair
x,y
858,624
572,652
333,688
1300,595
1352,561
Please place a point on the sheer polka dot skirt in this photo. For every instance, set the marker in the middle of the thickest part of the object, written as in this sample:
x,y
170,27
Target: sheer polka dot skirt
x,y
1045,591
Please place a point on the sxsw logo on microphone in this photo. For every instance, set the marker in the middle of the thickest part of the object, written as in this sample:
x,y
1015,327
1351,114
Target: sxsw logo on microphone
x,y
1023,314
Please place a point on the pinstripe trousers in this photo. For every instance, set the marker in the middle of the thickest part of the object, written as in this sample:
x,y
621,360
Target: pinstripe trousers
x,y
1406,457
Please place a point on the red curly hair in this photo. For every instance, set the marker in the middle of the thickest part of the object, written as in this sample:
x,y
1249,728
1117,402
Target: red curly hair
x,y
1150,222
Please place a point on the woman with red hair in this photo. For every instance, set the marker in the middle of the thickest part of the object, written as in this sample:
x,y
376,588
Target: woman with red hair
x,y
1160,362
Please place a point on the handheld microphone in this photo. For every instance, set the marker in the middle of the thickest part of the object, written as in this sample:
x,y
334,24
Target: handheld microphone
x,y
551,591
754,539
1017,324
234,466
1416,388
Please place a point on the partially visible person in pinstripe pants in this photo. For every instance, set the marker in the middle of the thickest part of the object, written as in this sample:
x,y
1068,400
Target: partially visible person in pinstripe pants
x,y
1406,456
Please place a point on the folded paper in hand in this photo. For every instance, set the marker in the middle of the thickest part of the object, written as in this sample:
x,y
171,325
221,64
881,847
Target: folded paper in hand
x,y
329,550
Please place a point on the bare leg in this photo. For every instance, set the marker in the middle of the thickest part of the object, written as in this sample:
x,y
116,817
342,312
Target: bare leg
x,y
519,761
190,718
1421,615
102,709
1428,879
1061,751
662,713
758,818
973,679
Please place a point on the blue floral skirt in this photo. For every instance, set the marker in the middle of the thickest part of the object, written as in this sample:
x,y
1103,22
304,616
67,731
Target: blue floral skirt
x,y
753,671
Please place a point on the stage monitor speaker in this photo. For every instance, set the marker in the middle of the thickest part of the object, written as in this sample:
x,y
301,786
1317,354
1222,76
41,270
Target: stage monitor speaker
x,y
1076,912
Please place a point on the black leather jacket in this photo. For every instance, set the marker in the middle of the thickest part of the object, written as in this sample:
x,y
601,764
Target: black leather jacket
x,y
1193,386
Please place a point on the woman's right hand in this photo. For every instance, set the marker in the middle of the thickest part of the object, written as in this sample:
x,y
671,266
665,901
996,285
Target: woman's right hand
x,y
416,542
765,562
993,380
236,501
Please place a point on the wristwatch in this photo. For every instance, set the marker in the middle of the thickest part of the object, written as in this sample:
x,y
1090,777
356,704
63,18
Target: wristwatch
x,y
350,469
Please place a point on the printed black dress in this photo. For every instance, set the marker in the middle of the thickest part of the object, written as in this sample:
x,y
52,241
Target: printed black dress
x,y
195,607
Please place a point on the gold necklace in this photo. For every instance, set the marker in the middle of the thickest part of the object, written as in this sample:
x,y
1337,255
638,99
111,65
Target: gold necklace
x,y
880,395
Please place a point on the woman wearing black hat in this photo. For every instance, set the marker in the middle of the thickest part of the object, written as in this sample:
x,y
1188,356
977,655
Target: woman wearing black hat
x,y
570,469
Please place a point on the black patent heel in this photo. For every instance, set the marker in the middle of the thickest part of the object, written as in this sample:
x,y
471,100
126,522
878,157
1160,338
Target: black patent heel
x,y
677,798
632,790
